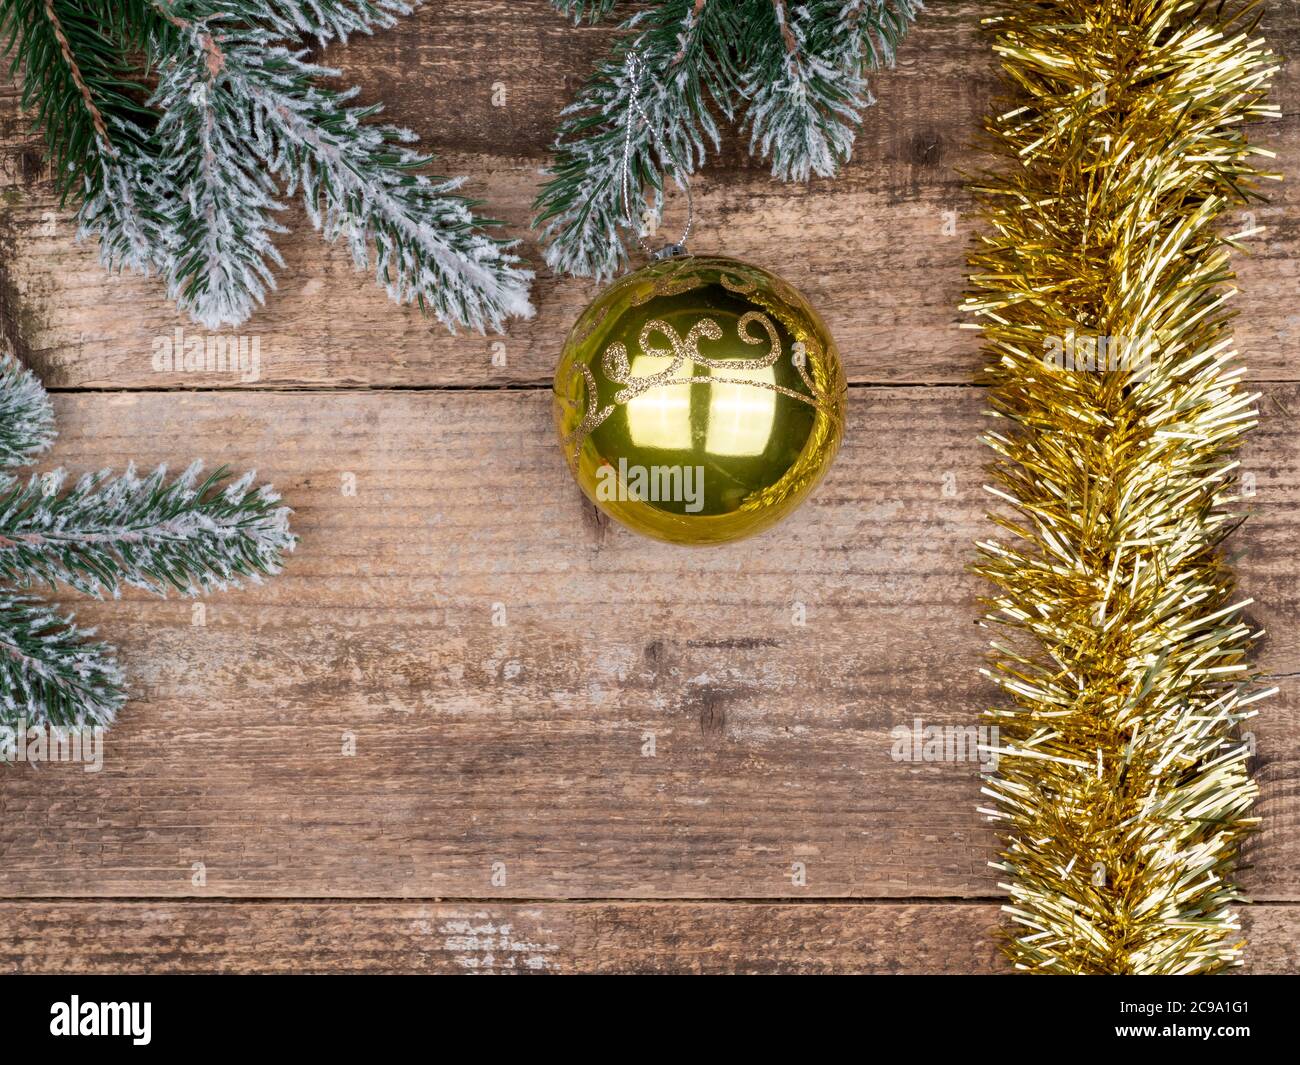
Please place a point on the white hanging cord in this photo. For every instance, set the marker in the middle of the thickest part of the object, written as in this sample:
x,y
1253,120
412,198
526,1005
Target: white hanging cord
x,y
634,70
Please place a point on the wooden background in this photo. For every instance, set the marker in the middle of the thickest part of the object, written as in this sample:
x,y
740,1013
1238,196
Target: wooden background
x,y
501,812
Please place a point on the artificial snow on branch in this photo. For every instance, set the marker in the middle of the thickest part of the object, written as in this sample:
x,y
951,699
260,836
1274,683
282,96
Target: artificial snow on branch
x,y
189,533
327,20
186,534
183,178
222,228
51,672
26,417
794,72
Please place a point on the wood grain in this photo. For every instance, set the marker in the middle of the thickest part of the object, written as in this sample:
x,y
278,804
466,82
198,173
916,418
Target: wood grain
x,y
529,938
870,249
599,937
523,743
496,762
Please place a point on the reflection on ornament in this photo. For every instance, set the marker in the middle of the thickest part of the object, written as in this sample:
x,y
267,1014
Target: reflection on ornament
x,y
699,400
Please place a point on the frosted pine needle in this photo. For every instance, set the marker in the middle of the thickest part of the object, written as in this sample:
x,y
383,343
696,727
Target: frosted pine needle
x,y
176,125
190,534
794,73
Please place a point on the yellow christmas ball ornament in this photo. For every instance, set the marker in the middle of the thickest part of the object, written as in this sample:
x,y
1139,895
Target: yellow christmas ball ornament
x,y
699,400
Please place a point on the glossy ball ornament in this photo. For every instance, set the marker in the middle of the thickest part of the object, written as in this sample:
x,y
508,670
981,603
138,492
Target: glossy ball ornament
x,y
699,400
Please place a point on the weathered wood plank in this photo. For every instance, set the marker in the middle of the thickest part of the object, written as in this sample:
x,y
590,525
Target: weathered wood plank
x,y
526,743
592,937
872,249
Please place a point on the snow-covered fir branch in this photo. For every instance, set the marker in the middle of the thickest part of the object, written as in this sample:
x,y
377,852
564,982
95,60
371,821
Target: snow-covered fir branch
x,y
793,70
655,111
75,79
222,254
189,534
806,87
127,203
186,185
248,107
328,20
77,84
360,183
26,417
51,672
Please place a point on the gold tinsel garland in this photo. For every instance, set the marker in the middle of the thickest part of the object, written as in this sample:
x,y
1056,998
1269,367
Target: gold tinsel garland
x,y
1123,792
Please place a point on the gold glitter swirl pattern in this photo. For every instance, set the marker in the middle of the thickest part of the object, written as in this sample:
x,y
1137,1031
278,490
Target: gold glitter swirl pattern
x,y
593,416
745,288
668,285
617,366
592,323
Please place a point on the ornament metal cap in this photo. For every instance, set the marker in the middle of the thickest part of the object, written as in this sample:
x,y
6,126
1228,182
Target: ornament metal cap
x,y
669,251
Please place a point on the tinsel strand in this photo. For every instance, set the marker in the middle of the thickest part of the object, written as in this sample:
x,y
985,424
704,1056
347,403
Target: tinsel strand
x,y
1121,650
